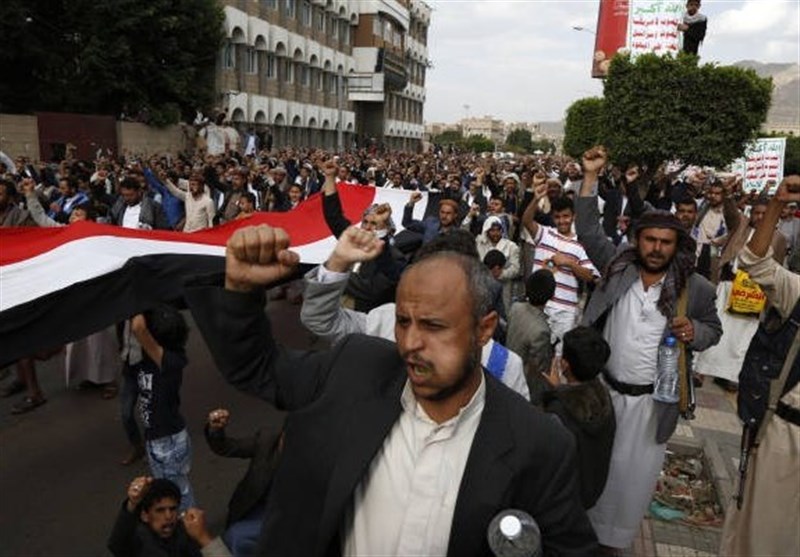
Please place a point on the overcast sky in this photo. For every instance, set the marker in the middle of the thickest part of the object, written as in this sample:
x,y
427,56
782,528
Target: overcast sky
x,y
520,60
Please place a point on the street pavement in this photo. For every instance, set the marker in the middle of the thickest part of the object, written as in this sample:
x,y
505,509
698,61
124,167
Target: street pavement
x,y
61,483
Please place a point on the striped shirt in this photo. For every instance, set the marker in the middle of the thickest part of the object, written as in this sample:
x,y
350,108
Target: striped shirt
x,y
549,242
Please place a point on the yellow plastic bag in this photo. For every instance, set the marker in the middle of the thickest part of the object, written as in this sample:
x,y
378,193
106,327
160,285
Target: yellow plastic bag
x,y
746,296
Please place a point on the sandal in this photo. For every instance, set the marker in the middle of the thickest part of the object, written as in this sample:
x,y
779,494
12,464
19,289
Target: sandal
x,y
109,391
28,403
16,386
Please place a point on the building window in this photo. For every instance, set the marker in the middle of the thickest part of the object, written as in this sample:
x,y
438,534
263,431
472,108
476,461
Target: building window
x,y
289,71
289,8
271,4
334,28
344,34
251,62
303,75
306,13
320,17
270,66
376,26
229,56
319,79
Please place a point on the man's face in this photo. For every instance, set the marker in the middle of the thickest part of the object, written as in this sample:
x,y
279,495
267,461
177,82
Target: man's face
x,y
130,196
435,331
495,206
787,211
553,190
162,518
687,214
714,196
195,187
563,220
509,185
343,173
77,215
495,233
573,171
237,181
65,189
757,213
295,194
447,215
656,248
245,206
692,6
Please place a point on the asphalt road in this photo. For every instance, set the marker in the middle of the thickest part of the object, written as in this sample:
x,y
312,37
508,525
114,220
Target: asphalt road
x,y
61,483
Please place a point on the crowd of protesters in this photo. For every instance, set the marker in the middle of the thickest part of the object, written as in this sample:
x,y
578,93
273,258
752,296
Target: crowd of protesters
x,y
588,267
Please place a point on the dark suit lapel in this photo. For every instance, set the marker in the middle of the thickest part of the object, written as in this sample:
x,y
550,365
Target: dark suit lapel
x,y
486,478
368,425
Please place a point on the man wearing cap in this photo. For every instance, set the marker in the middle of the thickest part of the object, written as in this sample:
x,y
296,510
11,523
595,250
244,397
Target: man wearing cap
x,y
430,227
636,305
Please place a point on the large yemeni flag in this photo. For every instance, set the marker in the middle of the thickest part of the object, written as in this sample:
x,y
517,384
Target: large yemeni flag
x,y
62,284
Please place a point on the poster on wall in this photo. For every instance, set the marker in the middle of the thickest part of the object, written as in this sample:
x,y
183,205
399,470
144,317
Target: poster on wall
x,y
762,164
638,27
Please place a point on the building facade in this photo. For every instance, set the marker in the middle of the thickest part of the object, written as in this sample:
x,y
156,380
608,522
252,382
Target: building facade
x,y
488,127
326,73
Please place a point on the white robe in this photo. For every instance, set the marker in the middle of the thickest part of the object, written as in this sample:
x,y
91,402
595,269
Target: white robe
x,y
725,359
94,358
634,330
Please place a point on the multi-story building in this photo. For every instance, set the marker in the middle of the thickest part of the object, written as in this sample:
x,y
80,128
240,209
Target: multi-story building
x,y
326,73
491,128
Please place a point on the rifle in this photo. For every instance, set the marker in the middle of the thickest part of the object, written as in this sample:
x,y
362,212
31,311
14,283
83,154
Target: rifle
x,y
748,441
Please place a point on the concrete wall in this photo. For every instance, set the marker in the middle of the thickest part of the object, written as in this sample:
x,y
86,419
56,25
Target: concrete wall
x,y
19,135
138,138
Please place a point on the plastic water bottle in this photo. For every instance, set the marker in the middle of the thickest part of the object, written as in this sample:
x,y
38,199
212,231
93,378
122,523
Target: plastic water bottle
x,y
514,533
666,388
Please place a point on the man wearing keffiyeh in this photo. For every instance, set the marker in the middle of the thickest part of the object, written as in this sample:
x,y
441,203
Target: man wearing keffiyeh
x,y
635,306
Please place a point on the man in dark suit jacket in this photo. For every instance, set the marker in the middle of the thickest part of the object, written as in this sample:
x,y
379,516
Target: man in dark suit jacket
x,y
356,411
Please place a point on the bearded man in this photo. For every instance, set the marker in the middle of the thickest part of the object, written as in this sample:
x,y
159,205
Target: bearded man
x,y
636,306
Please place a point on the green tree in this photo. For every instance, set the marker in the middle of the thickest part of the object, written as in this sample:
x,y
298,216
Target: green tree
x,y
791,164
543,145
478,144
663,108
520,138
584,126
447,137
111,56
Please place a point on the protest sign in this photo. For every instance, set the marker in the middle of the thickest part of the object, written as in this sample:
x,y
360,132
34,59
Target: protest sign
x,y
762,163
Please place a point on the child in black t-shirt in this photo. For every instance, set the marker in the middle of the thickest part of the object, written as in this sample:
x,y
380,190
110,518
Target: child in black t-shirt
x,y
162,332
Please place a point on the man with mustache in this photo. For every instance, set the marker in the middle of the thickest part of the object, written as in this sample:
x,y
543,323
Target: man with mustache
x,y
635,306
406,449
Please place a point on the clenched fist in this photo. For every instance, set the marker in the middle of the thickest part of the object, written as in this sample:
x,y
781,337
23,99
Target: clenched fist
x,y
257,256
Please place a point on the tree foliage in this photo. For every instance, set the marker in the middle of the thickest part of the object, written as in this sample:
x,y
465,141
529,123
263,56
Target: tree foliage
x,y
478,144
109,57
447,137
662,108
584,126
521,138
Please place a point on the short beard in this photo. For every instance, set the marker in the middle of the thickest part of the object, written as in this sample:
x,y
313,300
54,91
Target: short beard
x,y
649,268
470,366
